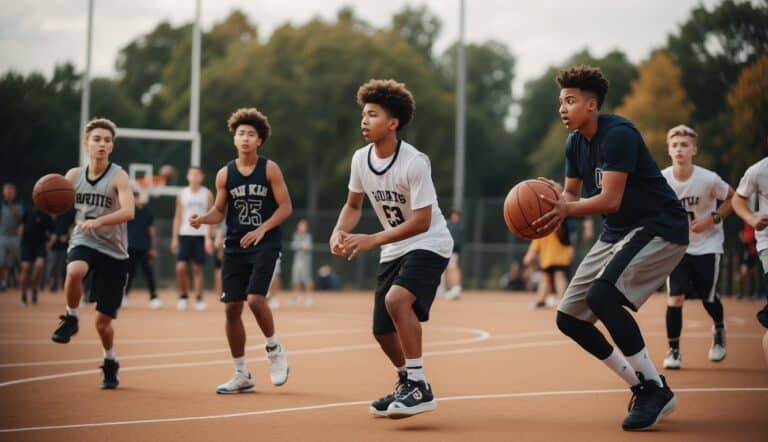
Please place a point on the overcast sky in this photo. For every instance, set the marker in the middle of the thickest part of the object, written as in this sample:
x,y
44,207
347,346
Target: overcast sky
x,y
37,34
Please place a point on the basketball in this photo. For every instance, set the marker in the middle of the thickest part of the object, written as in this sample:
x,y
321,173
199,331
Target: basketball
x,y
53,194
522,207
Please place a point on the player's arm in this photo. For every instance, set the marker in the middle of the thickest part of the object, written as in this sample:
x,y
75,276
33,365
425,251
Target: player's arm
x,y
418,223
349,217
176,224
208,237
725,209
127,205
740,205
284,206
218,208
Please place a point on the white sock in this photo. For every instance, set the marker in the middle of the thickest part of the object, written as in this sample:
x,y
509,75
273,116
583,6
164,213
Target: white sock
x,y
643,364
240,364
110,354
271,340
618,363
72,311
415,369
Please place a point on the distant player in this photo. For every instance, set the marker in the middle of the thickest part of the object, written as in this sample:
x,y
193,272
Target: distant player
x,y
645,234
555,254
251,193
301,270
453,271
34,242
415,243
755,181
695,277
191,245
142,249
99,244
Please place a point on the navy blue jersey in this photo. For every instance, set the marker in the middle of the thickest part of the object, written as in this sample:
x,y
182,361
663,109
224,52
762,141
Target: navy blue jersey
x,y
250,202
37,226
648,201
138,228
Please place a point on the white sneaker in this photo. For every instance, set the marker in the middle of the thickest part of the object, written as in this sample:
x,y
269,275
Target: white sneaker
x,y
155,303
309,302
182,304
673,360
124,302
240,383
200,305
717,351
278,366
552,301
454,293
273,303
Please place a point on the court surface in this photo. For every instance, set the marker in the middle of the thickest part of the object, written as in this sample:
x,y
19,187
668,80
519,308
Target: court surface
x,y
500,372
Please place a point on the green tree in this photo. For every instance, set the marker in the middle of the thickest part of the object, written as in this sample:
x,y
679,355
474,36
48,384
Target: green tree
x,y
748,103
657,103
418,27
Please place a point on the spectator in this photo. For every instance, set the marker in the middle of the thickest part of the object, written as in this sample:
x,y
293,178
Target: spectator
x,y
301,271
11,218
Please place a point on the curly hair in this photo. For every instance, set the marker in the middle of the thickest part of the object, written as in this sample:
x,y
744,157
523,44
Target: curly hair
x,y
392,96
586,78
252,117
100,123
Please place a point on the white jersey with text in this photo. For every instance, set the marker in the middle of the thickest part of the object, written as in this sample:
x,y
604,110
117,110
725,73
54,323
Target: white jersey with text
x,y
699,195
396,186
755,181
193,203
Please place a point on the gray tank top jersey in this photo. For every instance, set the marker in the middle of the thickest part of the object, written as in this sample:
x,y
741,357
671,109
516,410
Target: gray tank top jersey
x,y
92,200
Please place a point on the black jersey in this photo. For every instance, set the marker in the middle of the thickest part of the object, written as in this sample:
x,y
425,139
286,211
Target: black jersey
x,y
250,203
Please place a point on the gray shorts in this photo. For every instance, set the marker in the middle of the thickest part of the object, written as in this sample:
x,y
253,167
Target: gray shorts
x,y
763,254
301,273
637,266
10,247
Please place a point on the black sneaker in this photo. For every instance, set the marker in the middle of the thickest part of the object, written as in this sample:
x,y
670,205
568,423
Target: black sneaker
x,y
649,404
24,299
34,296
380,405
67,328
111,380
412,398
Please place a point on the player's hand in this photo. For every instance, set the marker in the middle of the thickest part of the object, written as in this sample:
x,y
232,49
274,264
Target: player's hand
x,y
195,221
760,222
356,243
252,238
174,245
702,225
208,246
554,217
337,242
89,225
555,184
152,254
527,260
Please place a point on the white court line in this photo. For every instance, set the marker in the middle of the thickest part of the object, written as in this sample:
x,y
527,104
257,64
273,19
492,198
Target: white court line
x,y
481,335
355,403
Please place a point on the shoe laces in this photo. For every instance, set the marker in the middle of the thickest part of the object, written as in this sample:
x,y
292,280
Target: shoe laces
x,y
639,397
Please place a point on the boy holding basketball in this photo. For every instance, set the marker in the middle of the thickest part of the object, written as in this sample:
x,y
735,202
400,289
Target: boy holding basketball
x,y
251,193
699,191
415,243
645,234
99,244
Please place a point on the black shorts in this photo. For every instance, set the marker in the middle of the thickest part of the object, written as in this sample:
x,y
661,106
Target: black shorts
x,y
244,274
419,272
551,270
191,248
32,251
109,277
696,277
748,259
216,262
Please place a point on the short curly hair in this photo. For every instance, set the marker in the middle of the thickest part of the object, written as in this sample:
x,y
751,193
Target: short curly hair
x,y
252,117
100,123
392,96
586,78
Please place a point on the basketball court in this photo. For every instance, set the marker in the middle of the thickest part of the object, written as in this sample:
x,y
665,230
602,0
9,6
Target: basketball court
x,y
500,372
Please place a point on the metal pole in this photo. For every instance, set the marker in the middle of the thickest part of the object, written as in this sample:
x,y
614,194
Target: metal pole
x,y
458,163
85,98
194,102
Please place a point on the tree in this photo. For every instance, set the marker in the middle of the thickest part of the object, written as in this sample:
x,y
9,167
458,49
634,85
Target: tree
x,y
418,27
657,103
748,102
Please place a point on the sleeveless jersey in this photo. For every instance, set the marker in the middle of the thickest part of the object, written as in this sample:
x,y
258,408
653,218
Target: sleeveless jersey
x,y
250,202
193,203
699,195
397,186
92,200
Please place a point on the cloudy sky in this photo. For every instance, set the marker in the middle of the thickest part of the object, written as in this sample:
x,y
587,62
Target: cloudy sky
x,y
37,34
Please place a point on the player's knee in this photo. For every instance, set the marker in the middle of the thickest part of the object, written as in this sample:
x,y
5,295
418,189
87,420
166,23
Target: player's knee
x,y
393,302
233,311
603,295
675,301
181,266
567,324
103,323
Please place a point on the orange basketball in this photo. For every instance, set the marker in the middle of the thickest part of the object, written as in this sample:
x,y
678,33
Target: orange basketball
x,y
523,206
53,194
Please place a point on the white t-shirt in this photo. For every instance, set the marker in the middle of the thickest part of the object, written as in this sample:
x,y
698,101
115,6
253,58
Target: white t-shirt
x,y
193,203
396,186
699,195
755,180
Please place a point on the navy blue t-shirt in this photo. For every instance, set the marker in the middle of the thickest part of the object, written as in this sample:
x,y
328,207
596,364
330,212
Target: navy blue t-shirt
x,y
648,201
37,226
138,228
250,202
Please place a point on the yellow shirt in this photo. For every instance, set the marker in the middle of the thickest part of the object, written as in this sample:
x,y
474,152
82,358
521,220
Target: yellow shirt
x,y
551,251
